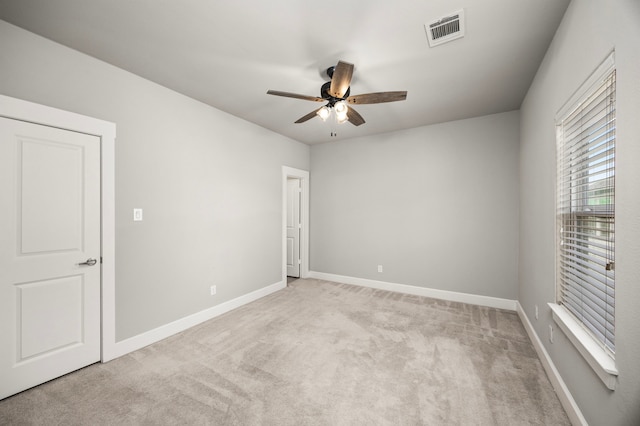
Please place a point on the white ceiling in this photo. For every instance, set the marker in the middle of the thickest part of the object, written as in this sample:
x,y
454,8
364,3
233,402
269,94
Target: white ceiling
x,y
228,53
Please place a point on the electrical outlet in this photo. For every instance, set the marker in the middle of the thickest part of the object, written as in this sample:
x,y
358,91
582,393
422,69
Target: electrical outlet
x,y
551,333
213,290
536,311
379,268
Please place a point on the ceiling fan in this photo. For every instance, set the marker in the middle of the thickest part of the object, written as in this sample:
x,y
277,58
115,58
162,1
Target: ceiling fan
x,y
336,95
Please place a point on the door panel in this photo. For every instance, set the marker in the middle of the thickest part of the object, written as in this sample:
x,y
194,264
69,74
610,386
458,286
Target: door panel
x,y
50,224
49,180
37,304
290,253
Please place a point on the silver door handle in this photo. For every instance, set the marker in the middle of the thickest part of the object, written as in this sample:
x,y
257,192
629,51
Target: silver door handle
x,y
89,262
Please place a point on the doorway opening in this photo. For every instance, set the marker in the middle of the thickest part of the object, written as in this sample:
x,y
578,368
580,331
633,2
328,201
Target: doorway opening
x,y
293,228
295,224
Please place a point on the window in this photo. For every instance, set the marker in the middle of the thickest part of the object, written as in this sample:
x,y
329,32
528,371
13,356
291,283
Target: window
x,y
586,212
586,141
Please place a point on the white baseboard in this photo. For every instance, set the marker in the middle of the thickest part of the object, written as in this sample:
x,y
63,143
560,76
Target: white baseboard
x,y
152,336
491,302
566,399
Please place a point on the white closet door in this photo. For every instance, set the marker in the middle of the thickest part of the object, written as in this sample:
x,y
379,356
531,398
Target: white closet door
x,y
49,253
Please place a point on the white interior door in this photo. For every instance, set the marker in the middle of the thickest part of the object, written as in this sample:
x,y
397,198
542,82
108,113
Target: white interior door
x,y
49,227
293,227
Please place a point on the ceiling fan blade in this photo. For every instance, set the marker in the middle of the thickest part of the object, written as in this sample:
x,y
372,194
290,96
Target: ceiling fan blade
x,y
295,95
377,98
308,116
354,117
341,79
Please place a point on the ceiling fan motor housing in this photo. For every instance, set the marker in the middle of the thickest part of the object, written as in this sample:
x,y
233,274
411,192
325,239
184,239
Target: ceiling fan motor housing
x,y
324,92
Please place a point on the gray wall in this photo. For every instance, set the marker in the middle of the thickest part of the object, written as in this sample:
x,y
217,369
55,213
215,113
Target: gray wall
x,y
589,31
209,183
437,206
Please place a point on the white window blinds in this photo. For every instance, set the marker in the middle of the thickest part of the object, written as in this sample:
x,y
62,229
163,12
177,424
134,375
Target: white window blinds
x,y
586,211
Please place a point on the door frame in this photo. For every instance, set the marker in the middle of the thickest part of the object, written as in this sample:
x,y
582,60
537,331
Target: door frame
x,y
22,110
303,175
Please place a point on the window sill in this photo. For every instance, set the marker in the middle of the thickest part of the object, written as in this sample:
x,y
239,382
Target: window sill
x,y
598,359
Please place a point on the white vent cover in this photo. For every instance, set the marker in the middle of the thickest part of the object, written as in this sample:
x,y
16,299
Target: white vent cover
x,y
445,29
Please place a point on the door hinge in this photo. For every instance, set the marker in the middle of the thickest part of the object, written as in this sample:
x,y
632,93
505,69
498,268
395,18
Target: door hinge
x,y
101,260
299,226
299,261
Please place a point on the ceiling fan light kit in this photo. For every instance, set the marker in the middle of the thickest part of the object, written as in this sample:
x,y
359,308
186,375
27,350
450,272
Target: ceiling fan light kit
x,y
337,95
324,113
341,109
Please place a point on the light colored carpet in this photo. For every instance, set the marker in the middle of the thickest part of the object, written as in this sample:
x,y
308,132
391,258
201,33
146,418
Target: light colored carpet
x,y
315,353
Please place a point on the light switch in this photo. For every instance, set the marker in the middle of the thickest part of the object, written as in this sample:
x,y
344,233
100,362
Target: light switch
x,y
137,215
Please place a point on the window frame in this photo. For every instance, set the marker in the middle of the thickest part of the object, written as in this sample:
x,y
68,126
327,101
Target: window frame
x,y
597,355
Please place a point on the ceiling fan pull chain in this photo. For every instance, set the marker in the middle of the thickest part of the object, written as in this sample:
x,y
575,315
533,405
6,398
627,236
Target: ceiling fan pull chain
x,y
334,122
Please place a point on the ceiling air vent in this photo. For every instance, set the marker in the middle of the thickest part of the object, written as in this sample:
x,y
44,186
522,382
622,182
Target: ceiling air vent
x,y
445,29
